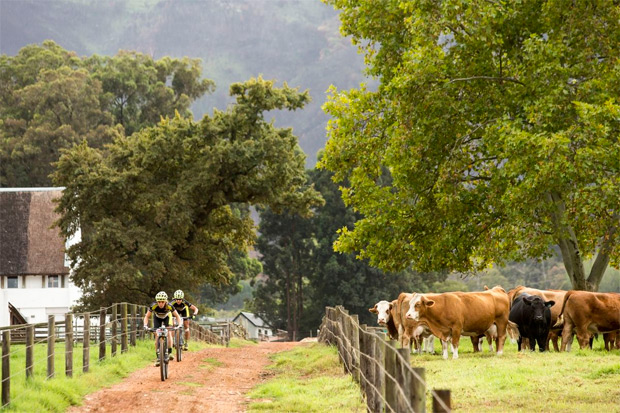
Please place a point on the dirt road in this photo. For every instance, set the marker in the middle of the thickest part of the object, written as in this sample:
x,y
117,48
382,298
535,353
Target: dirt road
x,y
209,380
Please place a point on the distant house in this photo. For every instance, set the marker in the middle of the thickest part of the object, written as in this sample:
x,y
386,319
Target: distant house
x,y
34,270
255,326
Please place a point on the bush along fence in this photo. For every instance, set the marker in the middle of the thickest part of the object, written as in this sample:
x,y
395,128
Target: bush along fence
x,y
384,372
118,325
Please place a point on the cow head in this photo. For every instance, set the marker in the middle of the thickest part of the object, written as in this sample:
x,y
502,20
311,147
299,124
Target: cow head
x,y
418,306
539,307
382,309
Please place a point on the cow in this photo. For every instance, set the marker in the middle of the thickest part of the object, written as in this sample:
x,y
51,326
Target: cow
x,y
588,313
450,315
413,334
547,295
533,317
387,316
612,340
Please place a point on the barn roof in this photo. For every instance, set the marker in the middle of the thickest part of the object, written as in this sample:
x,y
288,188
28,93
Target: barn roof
x,y
252,318
29,244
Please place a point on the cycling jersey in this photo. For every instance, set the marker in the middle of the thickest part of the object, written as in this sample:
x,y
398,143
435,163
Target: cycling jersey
x,y
182,307
162,313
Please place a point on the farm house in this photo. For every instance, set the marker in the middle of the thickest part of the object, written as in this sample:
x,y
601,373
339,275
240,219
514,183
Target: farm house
x,y
34,271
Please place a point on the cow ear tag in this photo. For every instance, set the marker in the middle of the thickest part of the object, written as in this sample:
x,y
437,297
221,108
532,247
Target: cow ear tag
x,y
549,304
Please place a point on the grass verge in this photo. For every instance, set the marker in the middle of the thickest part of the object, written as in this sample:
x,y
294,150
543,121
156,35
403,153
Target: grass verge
x,y
307,379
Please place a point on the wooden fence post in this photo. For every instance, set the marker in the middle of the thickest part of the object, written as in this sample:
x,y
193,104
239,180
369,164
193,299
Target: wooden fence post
x,y
69,345
444,396
363,360
86,342
355,346
114,333
124,327
6,367
134,326
51,341
418,390
391,397
102,333
403,379
380,350
370,369
29,351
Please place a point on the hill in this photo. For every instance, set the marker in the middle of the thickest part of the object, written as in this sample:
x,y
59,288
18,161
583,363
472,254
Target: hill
x,y
293,41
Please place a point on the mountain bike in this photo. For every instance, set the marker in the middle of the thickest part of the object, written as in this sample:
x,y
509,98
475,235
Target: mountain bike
x,y
162,348
178,341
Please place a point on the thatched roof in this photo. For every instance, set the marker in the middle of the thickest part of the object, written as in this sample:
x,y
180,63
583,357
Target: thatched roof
x,y
29,245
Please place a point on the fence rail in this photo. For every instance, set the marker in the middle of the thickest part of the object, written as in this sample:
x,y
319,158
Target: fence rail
x,y
118,325
387,380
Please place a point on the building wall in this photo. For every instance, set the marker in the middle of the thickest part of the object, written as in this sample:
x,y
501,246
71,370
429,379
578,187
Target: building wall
x,y
35,302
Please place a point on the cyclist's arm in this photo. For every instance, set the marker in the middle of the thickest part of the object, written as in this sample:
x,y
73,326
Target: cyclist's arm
x,y
194,309
175,313
146,317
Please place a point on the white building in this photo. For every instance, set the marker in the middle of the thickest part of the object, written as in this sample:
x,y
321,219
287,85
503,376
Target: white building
x,y
255,326
34,271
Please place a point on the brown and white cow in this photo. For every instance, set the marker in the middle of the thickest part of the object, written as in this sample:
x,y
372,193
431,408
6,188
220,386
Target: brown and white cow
x,y
450,315
387,316
556,296
413,334
588,313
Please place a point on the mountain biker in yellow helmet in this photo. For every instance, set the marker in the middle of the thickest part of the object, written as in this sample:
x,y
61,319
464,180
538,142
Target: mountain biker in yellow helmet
x,y
183,306
163,313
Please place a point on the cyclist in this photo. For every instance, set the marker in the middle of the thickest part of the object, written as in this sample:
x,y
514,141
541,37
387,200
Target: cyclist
x,y
183,306
163,313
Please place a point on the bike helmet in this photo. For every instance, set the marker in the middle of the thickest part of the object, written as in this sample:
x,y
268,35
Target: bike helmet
x,y
161,296
178,295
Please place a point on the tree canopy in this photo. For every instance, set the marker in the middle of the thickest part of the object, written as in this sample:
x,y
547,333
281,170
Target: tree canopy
x,y
51,99
164,208
492,136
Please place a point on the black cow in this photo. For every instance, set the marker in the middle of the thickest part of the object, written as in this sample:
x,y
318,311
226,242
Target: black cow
x,y
533,316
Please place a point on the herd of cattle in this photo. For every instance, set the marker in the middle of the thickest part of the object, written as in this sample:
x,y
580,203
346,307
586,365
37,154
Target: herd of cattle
x,y
527,315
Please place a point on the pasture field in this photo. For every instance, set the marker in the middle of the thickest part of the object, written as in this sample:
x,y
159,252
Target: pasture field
x,y
307,379
577,381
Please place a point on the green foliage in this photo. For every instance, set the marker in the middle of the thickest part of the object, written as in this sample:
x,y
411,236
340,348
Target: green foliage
x,y
157,210
52,100
497,124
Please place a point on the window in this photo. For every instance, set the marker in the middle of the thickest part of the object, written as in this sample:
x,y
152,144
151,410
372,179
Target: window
x,y
53,281
11,282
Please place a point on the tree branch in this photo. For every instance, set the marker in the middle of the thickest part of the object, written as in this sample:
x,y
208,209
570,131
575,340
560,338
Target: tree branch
x,y
491,78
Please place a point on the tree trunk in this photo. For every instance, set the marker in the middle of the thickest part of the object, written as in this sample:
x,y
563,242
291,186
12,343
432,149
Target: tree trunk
x,y
602,258
567,241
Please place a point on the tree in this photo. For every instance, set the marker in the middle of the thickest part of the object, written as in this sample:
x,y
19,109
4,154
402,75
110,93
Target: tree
x,y
497,122
157,210
51,99
303,274
286,246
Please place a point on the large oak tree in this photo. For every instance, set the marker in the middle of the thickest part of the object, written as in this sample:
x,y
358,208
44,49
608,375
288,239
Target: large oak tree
x,y
493,135
167,207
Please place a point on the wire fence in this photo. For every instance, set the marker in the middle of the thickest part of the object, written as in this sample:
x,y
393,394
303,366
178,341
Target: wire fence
x,y
107,330
387,380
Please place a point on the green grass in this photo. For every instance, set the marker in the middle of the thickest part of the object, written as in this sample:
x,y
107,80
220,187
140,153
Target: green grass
x,y
307,379
578,381
39,394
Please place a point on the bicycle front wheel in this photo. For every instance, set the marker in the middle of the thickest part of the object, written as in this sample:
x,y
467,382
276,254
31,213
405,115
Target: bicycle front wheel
x,y
163,366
